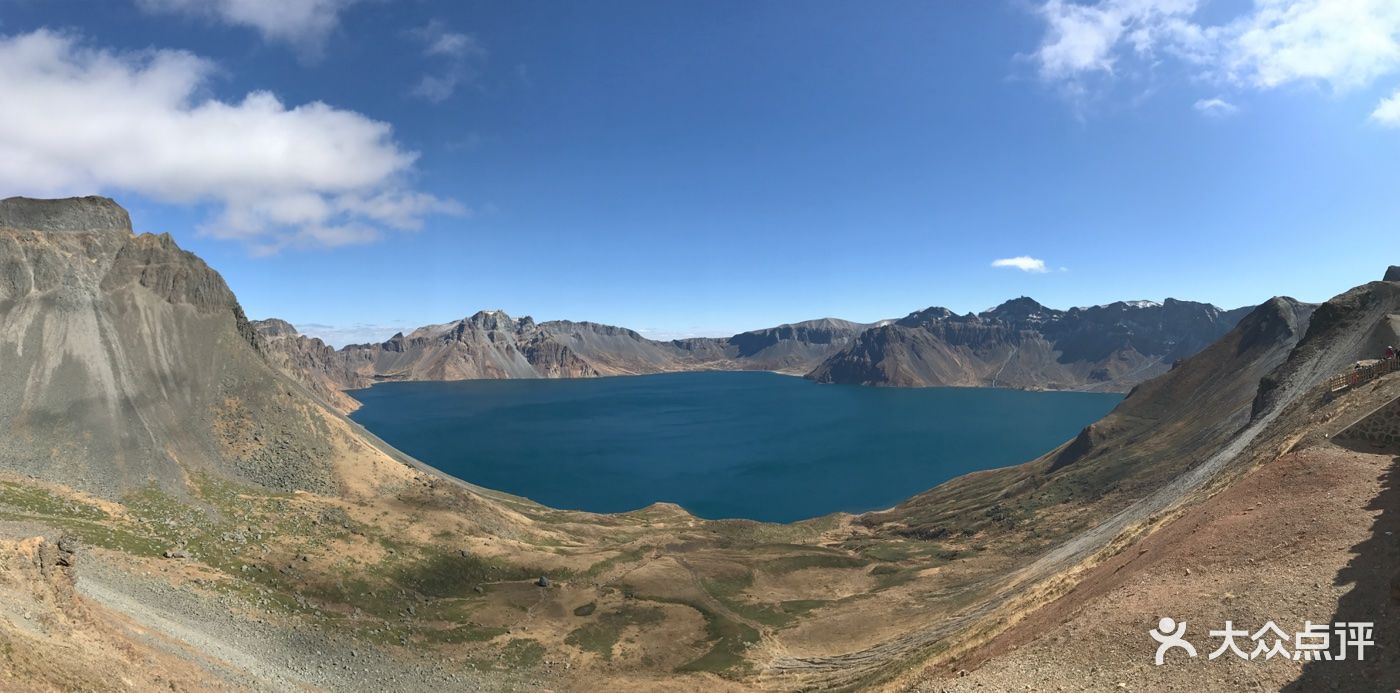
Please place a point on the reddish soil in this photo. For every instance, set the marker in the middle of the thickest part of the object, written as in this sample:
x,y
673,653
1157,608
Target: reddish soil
x,y
1309,536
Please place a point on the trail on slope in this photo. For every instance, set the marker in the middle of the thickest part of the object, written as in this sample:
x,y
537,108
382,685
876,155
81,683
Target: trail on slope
x,y
854,668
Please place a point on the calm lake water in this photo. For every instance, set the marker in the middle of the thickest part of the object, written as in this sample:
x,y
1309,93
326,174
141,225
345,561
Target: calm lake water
x,y
750,445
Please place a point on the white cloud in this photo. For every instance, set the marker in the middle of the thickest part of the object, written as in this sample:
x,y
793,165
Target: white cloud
x,y
1025,263
1343,44
1388,112
456,51
303,176
1216,107
304,24
1084,38
436,88
439,40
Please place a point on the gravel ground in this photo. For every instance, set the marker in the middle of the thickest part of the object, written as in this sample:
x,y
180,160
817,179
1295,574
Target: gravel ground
x,y
271,653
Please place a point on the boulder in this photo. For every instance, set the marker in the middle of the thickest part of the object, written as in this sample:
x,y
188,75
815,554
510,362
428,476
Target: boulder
x,y
67,551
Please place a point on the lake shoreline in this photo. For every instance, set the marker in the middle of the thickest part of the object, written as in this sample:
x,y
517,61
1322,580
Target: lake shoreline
x,y
721,444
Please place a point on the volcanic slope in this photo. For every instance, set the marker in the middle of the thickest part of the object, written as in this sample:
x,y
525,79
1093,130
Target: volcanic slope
x,y
1306,534
128,362
210,510
1023,344
493,345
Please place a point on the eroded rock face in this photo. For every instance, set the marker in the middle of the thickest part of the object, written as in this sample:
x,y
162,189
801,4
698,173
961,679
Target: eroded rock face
x,y
1024,344
74,214
493,345
127,362
1392,273
1019,344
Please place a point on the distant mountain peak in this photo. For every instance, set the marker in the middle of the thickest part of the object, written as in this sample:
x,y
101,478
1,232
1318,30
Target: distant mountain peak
x,y
1021,309
1018,304
925,316
1143,304
274,327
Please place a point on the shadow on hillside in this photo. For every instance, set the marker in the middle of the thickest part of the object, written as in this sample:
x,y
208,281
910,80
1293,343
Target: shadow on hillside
x,y
1374,574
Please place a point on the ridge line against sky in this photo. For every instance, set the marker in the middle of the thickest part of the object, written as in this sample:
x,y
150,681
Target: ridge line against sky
x,y
703,170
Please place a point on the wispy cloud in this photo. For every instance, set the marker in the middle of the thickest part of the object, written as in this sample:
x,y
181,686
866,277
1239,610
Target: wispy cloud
x,y
279,176
1388,112
302,24
1343,44
1216,107
457,54
1025,263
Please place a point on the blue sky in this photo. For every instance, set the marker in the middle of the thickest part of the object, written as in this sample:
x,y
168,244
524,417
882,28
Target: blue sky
x,y
710,167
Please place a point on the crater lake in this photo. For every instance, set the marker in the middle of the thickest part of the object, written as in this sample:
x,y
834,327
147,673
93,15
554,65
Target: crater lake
x,y
750,445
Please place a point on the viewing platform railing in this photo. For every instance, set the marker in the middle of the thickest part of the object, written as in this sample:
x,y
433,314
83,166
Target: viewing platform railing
x,y
1367,372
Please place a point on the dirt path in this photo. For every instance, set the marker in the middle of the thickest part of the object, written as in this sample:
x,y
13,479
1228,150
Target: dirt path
x,y
223,634
1014,351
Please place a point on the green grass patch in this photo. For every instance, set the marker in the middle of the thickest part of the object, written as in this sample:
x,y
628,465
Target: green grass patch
x,y
469,632
729,640
628,556
887,576
522,654
456,574
802,606
40,502
601,636
788,564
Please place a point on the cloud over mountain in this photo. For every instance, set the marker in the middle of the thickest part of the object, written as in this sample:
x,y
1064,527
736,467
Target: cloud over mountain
x,y
310,175
1025,263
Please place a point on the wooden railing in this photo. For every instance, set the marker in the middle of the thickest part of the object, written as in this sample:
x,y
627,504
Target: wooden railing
x,y
1368,371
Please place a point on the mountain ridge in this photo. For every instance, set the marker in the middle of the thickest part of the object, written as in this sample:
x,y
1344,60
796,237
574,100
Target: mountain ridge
x,y
1109,347
491,344
1021,343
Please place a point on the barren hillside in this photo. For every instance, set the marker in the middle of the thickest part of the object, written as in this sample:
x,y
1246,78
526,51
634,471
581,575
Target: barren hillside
x,y
493,345
201,509
1026,345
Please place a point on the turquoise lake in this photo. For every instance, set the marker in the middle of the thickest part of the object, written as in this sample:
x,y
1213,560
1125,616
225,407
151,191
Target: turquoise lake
x,y
722,445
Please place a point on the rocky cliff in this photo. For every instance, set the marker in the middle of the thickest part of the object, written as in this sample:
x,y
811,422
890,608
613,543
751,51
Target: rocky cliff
x,y
1024,344
491,344
127,361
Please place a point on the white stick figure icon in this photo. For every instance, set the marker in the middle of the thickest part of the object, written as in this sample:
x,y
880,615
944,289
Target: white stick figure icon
x,y
1169,633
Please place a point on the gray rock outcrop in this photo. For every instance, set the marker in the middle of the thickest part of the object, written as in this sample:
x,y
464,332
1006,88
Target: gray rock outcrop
x,y
74,214
493,345
129,363
1023,344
